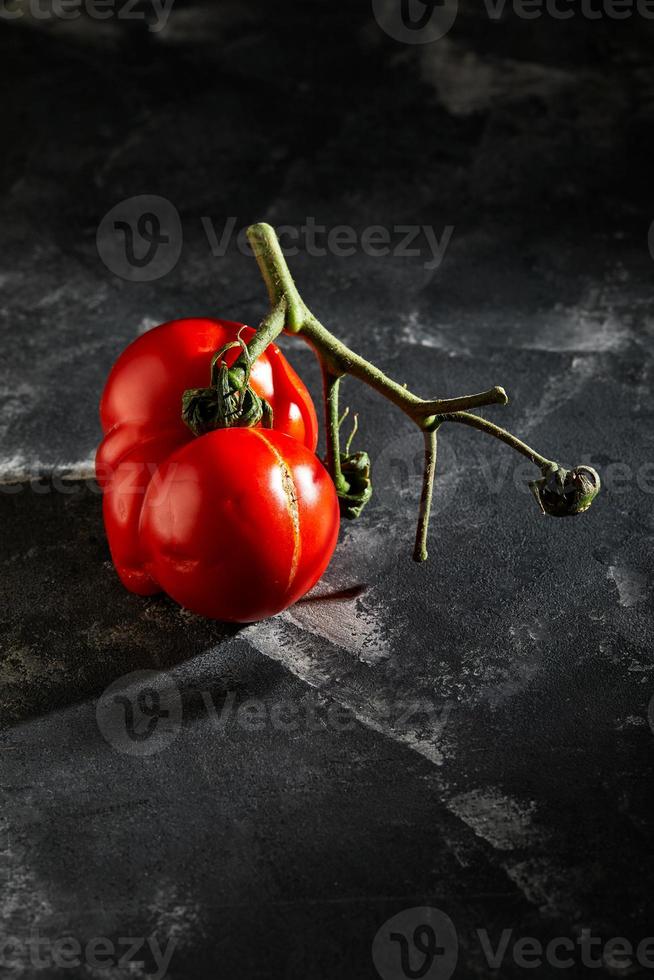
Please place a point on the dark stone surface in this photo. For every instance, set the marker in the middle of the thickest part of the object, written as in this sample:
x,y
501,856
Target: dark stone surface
x,y
482,743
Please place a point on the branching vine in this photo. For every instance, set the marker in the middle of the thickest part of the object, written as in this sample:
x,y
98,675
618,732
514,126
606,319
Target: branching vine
x,y
559,492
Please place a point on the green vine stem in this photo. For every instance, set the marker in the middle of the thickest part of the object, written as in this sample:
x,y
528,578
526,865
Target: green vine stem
x,y
467,418
331,385
289,312
431,448
330,350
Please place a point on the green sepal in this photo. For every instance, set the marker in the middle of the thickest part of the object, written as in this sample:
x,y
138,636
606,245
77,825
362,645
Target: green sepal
x,y
355,468
206,409
230,402
566,493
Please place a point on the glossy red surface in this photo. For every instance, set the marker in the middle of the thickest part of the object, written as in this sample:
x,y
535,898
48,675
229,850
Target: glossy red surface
x,y
146,384
239,524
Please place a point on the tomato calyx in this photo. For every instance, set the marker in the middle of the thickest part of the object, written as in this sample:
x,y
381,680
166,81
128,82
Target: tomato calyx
x,y
356,471
566,493
230,400
354,489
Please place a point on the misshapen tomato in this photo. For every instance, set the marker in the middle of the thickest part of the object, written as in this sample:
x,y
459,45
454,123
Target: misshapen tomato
x,y
239,524
140,412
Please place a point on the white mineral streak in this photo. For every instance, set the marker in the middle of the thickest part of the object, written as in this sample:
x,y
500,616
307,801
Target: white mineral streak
x,y
466,83
632,585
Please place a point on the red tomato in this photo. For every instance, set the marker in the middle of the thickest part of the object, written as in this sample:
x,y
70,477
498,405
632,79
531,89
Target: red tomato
x,y
148,380
145,386
239,524
140,412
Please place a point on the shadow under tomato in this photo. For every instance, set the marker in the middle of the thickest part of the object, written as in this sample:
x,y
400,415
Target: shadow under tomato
x,y
341,595
67,626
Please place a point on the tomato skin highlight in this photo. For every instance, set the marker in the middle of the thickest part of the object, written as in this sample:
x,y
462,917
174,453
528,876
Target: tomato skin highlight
x,y
239,524
140,412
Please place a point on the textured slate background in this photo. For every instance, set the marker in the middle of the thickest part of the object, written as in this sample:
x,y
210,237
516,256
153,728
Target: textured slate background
x,y
492,754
